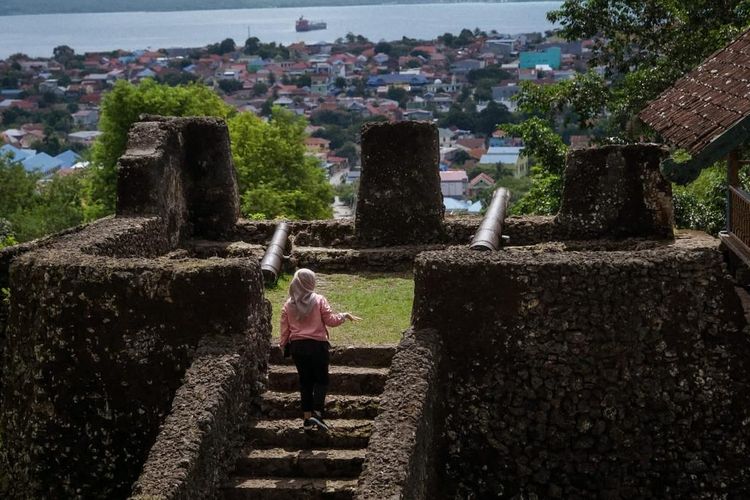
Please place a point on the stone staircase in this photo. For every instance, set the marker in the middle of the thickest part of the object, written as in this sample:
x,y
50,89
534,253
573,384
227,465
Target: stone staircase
x,y
282,461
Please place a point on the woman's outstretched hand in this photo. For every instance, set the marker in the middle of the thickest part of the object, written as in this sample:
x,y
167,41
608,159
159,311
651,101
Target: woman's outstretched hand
x,y
351,317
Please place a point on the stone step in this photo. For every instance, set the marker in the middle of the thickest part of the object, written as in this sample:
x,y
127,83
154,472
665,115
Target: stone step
x,y
280,488
342,379
377,356
344,433
301,463
287,405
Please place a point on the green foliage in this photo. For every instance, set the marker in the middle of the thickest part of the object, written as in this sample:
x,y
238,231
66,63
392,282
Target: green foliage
x,y
7,241
585,96
121,107
275,177
398,94
230,85
493,72
254,47
260,89
347,192
224,47
547,152
35,208
702,204
646,46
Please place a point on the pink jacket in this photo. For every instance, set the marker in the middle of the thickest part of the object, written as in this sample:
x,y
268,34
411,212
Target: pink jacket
x,y
313,326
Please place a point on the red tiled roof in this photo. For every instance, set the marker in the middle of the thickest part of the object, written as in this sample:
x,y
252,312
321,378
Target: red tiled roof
x,y
454,176
482,177
706,102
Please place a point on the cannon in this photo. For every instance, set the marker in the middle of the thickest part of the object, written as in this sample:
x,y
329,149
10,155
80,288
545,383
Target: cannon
x,y
490,233
270,266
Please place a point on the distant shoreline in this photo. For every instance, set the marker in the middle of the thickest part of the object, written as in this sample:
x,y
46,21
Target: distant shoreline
x,y
42,7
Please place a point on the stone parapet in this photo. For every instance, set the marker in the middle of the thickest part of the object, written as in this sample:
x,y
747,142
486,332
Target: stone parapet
x,y
615,371
402,457
399,202
616,192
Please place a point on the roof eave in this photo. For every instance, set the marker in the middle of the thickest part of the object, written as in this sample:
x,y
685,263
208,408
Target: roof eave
x,y
717,149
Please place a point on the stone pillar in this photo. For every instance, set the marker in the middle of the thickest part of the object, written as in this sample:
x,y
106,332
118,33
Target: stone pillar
x,y
616,191
399,202
180,169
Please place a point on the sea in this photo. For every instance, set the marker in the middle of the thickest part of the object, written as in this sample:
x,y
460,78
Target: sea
x,y
37,35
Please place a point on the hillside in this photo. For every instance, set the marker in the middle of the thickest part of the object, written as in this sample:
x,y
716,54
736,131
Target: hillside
x,y
16,7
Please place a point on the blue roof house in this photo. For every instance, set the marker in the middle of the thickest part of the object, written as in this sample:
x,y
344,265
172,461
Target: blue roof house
x,y
41,163
17,154
397,79
551,57
68,158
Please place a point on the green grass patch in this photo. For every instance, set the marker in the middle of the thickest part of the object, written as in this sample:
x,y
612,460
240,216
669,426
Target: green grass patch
x,y
383,301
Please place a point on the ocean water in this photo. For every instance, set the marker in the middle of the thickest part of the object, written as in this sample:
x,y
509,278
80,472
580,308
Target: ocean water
x,y
37,35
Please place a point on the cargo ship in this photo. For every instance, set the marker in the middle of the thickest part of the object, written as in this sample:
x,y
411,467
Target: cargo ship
x,y
303,24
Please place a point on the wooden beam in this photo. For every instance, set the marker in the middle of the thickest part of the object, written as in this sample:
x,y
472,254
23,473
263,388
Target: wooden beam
x,y
733,168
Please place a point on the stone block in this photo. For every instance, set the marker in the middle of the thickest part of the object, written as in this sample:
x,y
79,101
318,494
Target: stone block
x,y
616,191
180,169
399,192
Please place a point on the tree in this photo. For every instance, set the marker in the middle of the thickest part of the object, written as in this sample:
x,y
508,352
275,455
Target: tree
x,y
63,54
260,89
383,48
548,153
230,85
30,208
275,177
224,47
121,107
399,95
646,46
349,151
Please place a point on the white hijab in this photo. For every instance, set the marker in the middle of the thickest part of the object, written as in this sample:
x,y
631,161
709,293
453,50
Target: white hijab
x,y
301,296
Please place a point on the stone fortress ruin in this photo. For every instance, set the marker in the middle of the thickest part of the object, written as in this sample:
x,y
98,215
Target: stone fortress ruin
x,y
598,354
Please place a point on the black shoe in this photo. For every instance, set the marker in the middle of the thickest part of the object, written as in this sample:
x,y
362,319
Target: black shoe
x,y
318,421
308,424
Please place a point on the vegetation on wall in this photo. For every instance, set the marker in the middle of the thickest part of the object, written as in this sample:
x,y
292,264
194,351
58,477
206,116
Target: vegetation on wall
x,y
644,47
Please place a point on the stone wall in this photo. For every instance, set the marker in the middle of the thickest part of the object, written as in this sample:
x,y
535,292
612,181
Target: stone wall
x,y
399,202
95,350
401,457
197,445
616,191
104,322
611,374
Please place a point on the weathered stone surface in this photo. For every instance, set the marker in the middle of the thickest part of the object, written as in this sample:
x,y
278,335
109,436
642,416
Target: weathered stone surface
x,y
616,191
399,201
402,458
200,439
96,348
587,373
181,170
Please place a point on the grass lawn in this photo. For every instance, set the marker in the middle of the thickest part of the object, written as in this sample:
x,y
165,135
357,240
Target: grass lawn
x,y
383,301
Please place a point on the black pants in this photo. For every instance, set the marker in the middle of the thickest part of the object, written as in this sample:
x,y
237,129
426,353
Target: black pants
x,y
311,358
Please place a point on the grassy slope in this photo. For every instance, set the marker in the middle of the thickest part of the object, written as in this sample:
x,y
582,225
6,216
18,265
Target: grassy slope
x,y
382,301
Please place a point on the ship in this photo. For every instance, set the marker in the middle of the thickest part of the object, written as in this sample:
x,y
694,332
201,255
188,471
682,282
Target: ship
x,y
303,24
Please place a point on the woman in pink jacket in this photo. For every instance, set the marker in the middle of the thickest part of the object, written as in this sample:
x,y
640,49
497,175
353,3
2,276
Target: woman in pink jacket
x,y
304,319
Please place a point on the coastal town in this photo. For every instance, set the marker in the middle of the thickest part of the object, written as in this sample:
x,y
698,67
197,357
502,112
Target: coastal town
x,y
466,83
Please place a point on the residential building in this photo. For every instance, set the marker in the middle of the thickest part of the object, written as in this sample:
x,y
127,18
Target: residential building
x,y
454,183
551,57
510,156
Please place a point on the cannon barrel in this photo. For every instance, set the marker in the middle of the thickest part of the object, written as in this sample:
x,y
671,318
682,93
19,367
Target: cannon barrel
x,y
270,266
490,232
